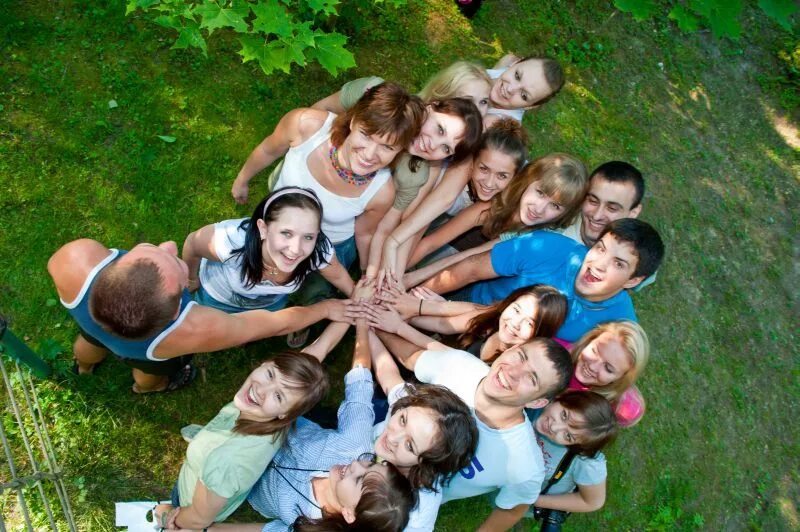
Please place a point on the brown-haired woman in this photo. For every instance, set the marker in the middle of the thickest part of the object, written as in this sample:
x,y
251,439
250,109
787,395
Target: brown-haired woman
x,y
344,160
231,452
485,331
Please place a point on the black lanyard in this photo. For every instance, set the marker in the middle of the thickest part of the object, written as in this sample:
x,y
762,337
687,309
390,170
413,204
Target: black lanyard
x,y
562,468
277,469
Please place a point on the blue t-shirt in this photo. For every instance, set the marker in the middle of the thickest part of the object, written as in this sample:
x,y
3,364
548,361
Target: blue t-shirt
x,y
550,258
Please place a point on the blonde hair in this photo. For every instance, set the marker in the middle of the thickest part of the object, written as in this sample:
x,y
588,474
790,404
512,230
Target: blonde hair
x,y
447,82
560,176
633,338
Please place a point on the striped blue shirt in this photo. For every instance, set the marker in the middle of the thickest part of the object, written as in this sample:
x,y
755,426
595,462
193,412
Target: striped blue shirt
x,y
309,446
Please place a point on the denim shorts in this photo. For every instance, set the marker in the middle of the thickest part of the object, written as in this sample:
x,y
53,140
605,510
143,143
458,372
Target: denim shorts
x,y
204,298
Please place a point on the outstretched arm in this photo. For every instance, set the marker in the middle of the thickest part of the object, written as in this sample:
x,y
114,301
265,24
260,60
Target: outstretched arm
x,y
588,498
470,270
206,329
367,225
286,134
460,224
198,245
383,365
423,274
388,320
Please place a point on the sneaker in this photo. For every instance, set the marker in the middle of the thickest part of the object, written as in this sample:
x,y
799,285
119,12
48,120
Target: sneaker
x,y
183,377
190,431
297,339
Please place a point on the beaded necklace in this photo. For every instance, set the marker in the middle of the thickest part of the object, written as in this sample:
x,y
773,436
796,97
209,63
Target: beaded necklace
x,y
348,175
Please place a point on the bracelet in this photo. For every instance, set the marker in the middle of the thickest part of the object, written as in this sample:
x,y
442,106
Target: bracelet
x,y
420,307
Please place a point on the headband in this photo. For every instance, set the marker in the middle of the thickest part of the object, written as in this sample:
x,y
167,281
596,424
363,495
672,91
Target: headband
x,y
289,190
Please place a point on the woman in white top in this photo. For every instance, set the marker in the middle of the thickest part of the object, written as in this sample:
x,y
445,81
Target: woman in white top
x,y
521,84
343,159
249,263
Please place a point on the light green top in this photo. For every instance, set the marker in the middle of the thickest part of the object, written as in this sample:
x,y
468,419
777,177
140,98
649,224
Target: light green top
x,y
406,182
226,462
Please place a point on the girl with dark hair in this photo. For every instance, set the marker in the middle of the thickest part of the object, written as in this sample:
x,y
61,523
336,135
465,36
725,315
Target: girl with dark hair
x,y
485,331
227,456
250,263
581,423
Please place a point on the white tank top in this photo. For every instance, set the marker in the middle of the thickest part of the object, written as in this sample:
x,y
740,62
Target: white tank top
x,y
338,213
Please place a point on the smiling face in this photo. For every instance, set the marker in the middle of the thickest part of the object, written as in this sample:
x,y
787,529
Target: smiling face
x,y
478,91
520,376
606,202
410,432
266,394
492,171
536,207
607,269
518,320
558,424
174,272
290,238
603,361
439,136
363,153
521,85
347,482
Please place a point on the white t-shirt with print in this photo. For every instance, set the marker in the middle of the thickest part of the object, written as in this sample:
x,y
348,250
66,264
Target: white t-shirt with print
x,y
506,459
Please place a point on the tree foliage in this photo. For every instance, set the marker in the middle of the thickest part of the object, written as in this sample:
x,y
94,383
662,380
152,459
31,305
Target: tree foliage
x,y
721,16
274,33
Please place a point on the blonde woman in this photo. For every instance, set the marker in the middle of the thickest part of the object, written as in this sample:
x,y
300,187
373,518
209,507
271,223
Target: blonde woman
x,y
608,360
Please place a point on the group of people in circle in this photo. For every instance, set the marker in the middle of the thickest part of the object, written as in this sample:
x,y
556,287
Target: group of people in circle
x,y
496,344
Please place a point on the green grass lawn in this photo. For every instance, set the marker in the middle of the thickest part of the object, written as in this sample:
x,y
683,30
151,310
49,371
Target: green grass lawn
x,y
718,448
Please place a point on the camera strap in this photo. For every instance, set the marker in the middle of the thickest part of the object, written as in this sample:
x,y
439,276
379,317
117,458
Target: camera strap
x,y
563,467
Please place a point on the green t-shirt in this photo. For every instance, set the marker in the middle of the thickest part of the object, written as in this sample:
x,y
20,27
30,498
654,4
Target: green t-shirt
x,y
406,182
226,462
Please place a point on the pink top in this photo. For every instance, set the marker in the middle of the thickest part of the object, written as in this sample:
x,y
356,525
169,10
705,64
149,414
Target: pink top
x,y
629,408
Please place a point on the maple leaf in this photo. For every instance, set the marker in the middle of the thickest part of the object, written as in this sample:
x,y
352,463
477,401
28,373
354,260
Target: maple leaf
x,y
189,35
686,20
271,17
330,52
640,9
780,11
722,16
326,6
272,55
215,16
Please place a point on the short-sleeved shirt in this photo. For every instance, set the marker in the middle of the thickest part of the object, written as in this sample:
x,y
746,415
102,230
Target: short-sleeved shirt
x,y
549,258
226,462
223,280
423,517
406,182
506,459
583,470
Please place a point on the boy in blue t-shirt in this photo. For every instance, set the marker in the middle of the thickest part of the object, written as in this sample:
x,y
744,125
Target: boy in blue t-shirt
x,y
593,280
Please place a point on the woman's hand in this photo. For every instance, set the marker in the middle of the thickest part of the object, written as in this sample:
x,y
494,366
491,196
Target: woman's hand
x,y
240,191
383,318
426,293
406,304
165,515
364,290
337,310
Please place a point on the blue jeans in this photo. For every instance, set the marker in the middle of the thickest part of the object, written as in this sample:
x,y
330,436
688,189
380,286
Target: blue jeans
x,y
204,298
